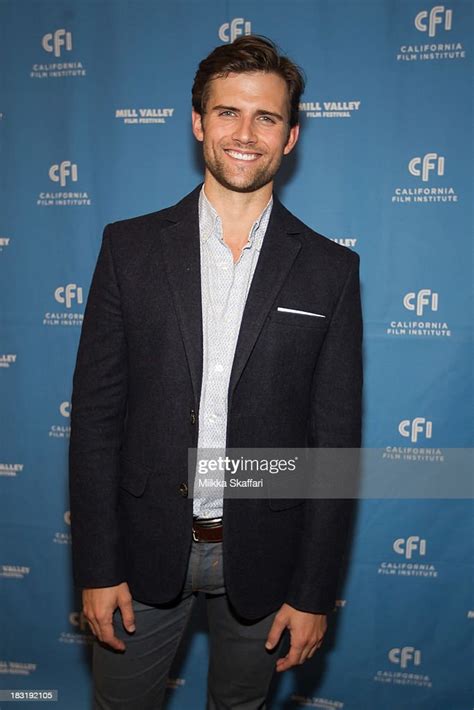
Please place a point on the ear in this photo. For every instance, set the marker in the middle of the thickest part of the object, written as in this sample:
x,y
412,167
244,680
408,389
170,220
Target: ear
x,y
292,139
198,131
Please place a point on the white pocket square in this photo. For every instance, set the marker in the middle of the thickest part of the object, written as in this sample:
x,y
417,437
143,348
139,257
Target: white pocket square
x,y
303,313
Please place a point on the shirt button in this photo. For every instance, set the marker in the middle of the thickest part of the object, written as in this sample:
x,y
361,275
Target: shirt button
x,y
212,418
219,368
183,489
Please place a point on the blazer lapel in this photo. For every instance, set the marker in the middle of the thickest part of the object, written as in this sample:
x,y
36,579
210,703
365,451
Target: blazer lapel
x,y
181,254
182,260
276,258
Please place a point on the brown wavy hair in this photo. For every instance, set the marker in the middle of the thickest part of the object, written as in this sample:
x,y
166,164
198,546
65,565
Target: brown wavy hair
x,y
248,54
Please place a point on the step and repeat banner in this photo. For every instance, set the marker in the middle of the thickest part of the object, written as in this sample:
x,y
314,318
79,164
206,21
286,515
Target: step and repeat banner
x,y
95,102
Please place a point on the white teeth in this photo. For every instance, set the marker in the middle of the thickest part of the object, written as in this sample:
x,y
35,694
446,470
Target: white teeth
x,y
242,156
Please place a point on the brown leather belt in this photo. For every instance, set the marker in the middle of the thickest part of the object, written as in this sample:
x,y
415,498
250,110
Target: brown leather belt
x,y
207,530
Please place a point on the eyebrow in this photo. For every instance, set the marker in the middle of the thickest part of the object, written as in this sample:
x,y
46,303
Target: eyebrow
x,y
259,112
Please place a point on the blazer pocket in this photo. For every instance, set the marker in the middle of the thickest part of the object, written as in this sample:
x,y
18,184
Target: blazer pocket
x,y
133,475
284,490
301,320
284,503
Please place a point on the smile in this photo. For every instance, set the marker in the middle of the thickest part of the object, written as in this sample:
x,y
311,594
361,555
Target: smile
x,y
242,156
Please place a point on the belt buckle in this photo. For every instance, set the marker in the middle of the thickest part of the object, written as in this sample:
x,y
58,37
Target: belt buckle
x,y
216,522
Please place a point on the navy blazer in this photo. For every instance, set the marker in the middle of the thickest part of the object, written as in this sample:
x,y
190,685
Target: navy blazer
x,y
296,381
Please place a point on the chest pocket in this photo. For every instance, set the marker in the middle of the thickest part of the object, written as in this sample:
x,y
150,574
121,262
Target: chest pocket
x,y
298,320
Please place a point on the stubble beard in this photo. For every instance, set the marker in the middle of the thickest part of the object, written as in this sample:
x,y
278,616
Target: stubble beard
x,y
222,173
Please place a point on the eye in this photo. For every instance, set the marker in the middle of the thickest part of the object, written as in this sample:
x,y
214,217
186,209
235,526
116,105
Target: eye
x,y
267,119
227,112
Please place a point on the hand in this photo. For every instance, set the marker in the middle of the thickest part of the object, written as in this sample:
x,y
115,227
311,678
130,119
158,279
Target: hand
x,y
306,631
98,608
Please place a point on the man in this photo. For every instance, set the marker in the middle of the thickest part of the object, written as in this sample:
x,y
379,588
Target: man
x,y
220,322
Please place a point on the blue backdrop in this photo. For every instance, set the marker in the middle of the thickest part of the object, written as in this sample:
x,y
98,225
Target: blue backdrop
x,y
95,127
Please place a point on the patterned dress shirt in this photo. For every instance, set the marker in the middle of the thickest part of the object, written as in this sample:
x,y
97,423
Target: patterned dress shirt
x,y
224,290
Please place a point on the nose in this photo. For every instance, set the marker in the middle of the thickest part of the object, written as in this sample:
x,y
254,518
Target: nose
x,y
244,131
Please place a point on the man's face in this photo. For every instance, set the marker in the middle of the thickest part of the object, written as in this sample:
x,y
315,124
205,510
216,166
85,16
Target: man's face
x,y
245,130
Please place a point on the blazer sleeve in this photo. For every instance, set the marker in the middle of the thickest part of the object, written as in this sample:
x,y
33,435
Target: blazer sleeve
x,y
336,419
98,409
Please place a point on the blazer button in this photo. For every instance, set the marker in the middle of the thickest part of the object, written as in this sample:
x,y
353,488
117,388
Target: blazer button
x,y
183,489
193,416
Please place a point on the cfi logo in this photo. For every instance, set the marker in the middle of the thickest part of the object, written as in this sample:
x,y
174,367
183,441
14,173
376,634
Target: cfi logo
x,y
54,41
233,29
427,21
61,171
417,301
406,546
65,409
77,619
66,294
425,164
402,656
411,428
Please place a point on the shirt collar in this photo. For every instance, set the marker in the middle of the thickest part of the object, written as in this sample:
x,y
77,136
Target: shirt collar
x,y
210,222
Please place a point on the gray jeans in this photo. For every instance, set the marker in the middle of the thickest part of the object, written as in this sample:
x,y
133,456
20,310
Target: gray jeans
x,y
240,668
